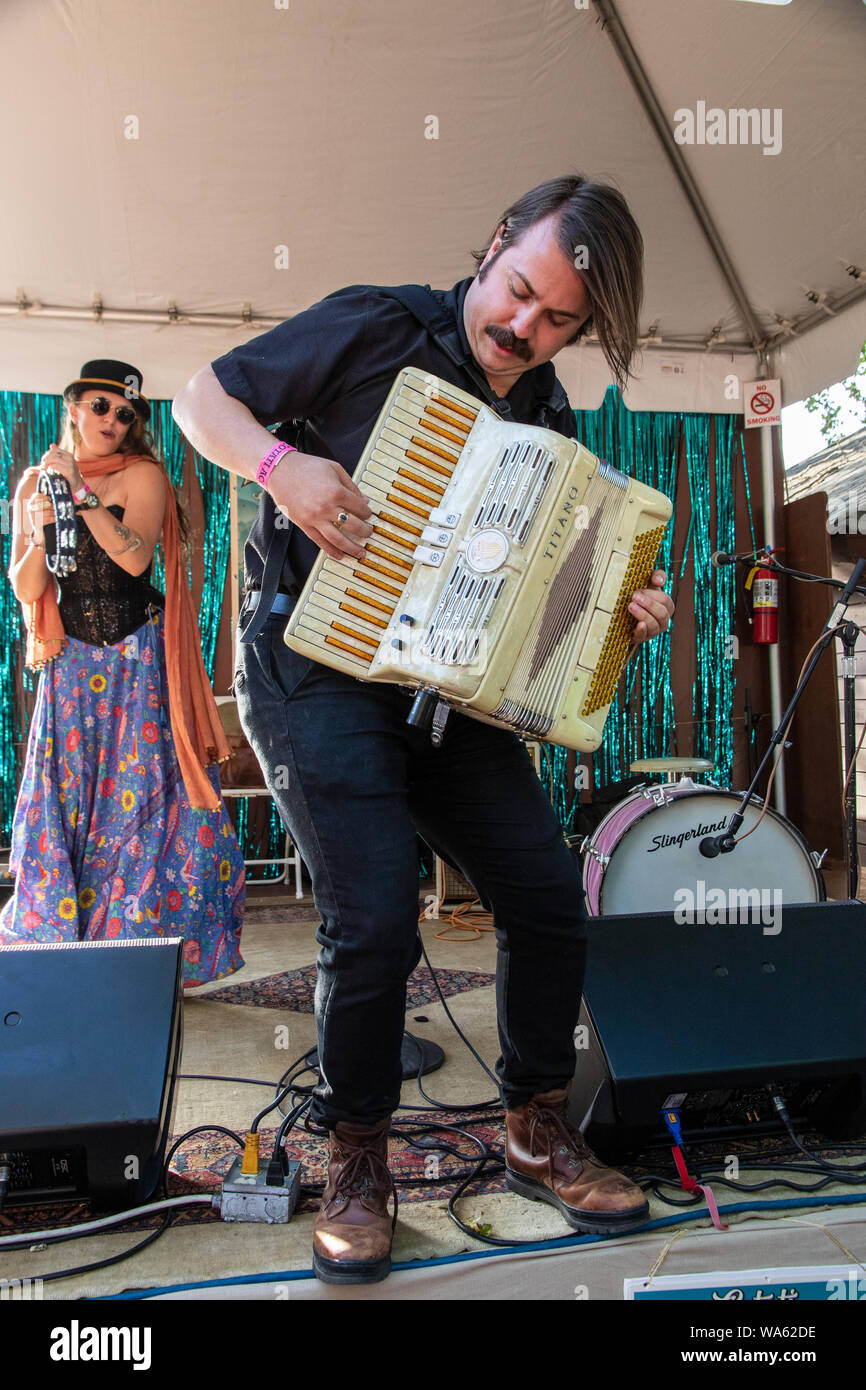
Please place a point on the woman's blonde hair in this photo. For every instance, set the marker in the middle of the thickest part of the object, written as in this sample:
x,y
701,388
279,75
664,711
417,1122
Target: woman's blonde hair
x,y
137,440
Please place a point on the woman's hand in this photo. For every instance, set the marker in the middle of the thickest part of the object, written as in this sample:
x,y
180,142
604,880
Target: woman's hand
x,y
63,462
40,514
31,511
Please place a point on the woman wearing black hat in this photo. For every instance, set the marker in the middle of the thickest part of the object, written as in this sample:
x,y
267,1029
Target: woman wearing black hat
x,y
119,829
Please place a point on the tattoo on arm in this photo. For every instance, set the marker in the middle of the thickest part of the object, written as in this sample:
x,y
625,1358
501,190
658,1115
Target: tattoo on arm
x,y
130,540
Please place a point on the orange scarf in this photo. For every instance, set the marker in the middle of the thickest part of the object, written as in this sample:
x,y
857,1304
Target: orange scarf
x,y
195,723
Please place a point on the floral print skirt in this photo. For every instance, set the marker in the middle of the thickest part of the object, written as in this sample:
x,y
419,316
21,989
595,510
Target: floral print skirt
x,y
105,842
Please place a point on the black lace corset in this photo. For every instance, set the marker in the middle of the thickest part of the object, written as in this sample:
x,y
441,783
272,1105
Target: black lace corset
x,y
100,603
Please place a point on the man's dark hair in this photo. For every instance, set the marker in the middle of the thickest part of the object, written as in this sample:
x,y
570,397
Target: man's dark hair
x,y
598,234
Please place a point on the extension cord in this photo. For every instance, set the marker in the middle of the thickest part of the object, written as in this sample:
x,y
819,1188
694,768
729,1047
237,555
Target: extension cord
x,y
249,1196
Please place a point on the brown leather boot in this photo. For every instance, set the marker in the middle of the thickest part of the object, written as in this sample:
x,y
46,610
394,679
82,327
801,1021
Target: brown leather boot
x,y
353,1231
547,1159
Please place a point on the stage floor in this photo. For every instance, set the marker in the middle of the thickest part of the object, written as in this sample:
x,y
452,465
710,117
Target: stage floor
x,y
254,1024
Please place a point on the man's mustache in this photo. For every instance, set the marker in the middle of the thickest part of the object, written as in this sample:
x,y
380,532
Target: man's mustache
x,y
504,338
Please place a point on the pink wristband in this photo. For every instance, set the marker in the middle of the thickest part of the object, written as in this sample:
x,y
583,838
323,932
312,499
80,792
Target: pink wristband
x,y
270,461
82,492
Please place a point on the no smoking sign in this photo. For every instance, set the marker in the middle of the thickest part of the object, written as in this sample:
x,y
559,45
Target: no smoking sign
x,y
763,403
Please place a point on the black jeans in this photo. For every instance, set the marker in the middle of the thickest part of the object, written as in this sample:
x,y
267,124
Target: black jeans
x,y
354,784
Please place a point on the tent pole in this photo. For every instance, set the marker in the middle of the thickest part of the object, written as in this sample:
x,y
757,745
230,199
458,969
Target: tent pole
x,y
768,492
652,107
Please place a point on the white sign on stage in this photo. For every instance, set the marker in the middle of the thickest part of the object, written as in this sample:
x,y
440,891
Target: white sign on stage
x,y
762,403
791,1283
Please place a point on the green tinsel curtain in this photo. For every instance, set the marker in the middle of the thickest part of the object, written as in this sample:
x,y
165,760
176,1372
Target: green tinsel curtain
x,y
172,448
215,486
29,424
644,445
267,844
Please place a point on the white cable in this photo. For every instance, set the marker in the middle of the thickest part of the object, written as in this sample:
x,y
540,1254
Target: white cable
x,y
34,1237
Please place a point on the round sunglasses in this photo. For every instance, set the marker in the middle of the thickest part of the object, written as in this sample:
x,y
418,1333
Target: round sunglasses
x,y
100,406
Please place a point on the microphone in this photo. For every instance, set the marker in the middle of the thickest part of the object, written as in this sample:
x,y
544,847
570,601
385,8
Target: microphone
x,y
713,845
721,557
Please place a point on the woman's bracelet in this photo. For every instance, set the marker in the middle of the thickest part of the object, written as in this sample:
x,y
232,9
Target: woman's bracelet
x,y
32,541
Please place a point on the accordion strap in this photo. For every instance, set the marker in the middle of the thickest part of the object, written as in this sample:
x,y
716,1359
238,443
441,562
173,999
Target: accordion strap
x,y
253,621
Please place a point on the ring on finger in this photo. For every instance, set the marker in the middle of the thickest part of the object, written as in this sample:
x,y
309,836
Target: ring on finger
x,y
342,518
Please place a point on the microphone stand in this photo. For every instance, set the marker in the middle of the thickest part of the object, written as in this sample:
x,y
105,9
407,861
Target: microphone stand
x,y
714,845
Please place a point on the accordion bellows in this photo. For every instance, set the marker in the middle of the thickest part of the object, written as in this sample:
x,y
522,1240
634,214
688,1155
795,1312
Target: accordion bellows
x,y
500,569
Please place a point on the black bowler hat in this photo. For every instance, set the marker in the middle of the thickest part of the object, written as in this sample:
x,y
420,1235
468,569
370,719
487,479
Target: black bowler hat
x,y
116,376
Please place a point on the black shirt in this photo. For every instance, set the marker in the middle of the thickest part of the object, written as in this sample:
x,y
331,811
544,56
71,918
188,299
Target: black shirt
x,y
333,366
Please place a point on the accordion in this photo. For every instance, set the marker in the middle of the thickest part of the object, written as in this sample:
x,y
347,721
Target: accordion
x,y
500,569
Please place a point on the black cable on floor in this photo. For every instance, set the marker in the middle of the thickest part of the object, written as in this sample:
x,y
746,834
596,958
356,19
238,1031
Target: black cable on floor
x,y
199,1129
287,1125
242,1080
813,1158
167,1219
487,1104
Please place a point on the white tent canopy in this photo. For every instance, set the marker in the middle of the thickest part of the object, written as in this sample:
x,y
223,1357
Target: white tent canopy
x,y
158,157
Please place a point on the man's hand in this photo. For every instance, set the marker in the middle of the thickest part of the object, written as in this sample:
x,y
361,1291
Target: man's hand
x,y
315,492
652,608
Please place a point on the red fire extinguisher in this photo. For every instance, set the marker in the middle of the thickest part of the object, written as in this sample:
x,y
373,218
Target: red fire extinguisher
x,y
764,584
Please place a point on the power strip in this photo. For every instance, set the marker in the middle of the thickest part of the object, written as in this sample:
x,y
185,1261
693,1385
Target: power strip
x,y
249,1196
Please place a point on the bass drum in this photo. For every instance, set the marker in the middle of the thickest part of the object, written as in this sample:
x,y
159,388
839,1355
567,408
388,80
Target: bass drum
x,y
646,850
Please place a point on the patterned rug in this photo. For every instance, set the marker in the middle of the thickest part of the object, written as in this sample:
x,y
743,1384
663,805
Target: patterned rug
x,y
422,1170
294,989
288,910
422,1173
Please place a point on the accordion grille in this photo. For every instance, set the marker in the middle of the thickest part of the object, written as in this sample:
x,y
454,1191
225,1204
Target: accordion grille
x,y
453,635
615,649
516,490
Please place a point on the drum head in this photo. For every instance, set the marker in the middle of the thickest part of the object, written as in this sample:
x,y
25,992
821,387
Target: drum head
x,y
656,863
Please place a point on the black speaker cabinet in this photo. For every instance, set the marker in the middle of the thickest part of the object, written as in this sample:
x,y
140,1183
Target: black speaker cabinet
x,y
90,1039
710,1014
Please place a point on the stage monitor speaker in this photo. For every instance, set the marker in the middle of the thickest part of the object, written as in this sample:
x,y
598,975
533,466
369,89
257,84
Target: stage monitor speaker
x,y
711,1014
90,1039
